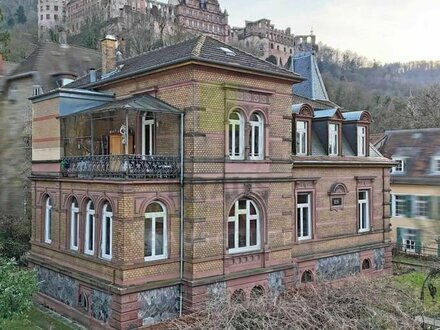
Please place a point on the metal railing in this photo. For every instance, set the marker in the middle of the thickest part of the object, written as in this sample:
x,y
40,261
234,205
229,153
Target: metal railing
x,y
121,167
419,251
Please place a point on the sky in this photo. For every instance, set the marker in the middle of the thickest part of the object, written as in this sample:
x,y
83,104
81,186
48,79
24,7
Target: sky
x,y
382,30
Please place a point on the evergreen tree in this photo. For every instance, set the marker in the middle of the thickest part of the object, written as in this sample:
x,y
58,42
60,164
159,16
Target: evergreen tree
x,y
4,38
20,15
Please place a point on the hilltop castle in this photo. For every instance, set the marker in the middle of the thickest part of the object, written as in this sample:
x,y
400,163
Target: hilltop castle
x,y
191,16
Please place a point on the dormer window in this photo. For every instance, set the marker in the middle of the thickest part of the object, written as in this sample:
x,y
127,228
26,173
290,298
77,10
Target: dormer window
x,y
435,165
333,139
301,137
37,90
361,141
400,166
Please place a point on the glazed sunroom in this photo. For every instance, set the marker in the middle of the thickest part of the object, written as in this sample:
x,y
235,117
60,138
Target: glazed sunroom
x,y
135,138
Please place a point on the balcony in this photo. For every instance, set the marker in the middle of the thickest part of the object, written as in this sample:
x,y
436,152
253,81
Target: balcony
x,y
129,167
138,138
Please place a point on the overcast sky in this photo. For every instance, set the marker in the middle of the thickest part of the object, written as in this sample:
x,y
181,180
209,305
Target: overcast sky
x,y
384,30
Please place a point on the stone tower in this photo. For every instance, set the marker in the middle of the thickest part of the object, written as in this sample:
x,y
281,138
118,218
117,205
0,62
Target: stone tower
x,y
51,17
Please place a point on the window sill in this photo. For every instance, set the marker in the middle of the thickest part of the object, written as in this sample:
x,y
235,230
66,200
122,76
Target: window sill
x,y
304,239
243,250
106,258
90,253
155,258
364,231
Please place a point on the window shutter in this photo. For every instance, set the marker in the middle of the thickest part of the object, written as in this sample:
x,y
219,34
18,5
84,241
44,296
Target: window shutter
x,y
399,238
436,208
408,206
429,207
418,242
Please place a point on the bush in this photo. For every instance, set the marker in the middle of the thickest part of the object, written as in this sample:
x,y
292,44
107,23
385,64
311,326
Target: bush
x,y
14,236
17,285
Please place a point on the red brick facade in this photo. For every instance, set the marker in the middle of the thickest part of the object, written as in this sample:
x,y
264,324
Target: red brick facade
x,y
213,184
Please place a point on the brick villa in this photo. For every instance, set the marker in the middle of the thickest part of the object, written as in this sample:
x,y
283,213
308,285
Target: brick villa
x,y
193,172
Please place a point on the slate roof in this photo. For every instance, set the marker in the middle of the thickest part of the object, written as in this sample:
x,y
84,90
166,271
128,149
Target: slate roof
x,y
50,59
417,146
202,48
313,87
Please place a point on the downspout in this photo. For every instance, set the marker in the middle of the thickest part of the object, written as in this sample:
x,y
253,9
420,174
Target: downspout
x,y
384,200
182,213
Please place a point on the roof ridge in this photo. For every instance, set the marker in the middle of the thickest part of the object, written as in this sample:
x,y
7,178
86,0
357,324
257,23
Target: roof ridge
x,y
157,49
254,56
198,47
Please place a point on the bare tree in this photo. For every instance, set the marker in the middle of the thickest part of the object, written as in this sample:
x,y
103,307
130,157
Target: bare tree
x,y
360,303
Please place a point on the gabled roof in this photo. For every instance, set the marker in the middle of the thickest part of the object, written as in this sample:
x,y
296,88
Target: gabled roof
x,y
312,88
202,48
50,59
417,147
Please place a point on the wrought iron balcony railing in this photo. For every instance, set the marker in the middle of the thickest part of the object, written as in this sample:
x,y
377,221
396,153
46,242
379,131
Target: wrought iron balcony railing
x,y
121,167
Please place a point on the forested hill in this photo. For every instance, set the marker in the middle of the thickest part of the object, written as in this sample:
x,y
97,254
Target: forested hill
x,y
393,93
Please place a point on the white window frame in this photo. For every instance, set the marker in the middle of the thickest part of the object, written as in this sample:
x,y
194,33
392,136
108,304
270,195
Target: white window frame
x,y
435,164
417,202
361,204
249,217
90,216
395,199
399,169
74,225
409,236
106,236
300,214
256,125
48,220
333,139
152,216
148,150
232,124
361,141
301,138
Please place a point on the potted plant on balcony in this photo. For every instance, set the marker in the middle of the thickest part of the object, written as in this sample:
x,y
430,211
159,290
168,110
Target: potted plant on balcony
x,y
64,165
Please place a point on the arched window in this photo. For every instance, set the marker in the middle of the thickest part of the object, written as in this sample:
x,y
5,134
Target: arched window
x,y
257,292
48,220
366,264
83,301
238,297
256,137
243,227
307,277
106,232
236,136
74,225
89,244
155,234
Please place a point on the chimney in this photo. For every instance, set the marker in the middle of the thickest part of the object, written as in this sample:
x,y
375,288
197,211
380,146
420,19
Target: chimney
x,y
108,49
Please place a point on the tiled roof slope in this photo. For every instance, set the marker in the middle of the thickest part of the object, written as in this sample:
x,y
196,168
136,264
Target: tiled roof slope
x,y
201,48
417,146
51,59
312,88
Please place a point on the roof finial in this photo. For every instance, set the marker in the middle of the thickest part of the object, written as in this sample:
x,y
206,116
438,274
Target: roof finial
x,y
311,31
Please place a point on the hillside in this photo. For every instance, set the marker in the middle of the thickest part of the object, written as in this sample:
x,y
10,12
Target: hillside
x,y
389,91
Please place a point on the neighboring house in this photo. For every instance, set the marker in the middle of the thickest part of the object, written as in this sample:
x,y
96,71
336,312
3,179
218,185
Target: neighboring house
x,y
415,185
190,173
50,66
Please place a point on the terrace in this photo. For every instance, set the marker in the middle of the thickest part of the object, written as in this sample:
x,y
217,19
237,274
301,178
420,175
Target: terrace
x,y
136,138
